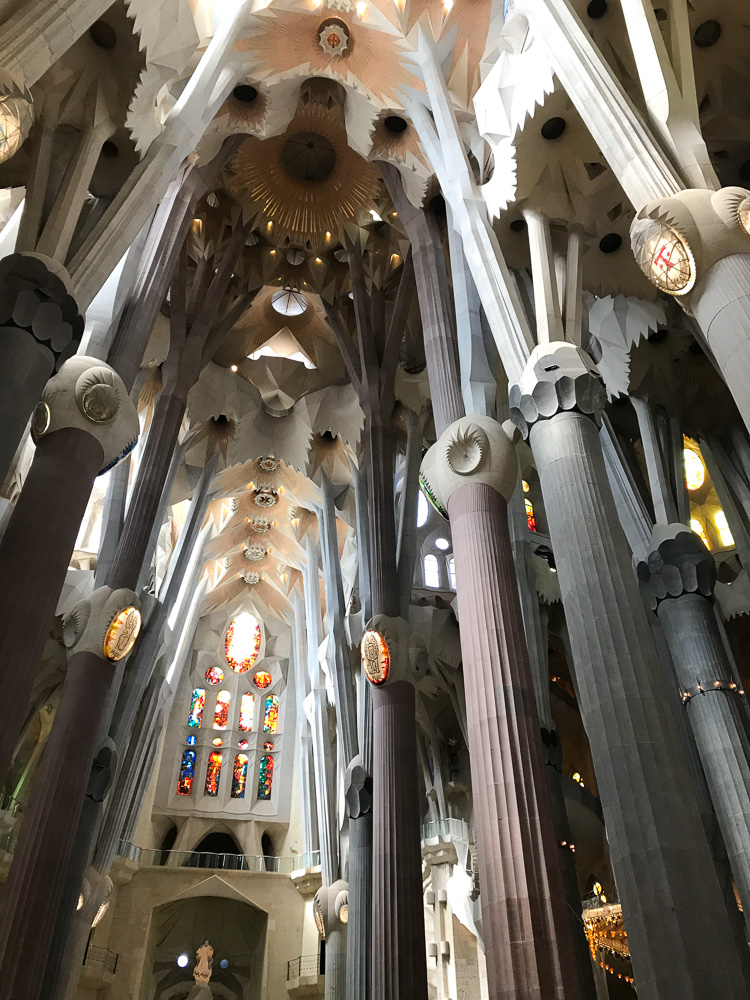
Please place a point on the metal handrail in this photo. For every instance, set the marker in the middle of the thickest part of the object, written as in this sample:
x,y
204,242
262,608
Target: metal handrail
x,y
305,965
225,862
455,829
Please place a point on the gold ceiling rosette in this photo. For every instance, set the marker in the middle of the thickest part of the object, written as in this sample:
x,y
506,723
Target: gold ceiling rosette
x,y
307,180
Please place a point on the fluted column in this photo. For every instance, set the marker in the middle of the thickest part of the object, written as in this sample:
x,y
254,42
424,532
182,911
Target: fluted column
x,y
358,784
665,878
678,580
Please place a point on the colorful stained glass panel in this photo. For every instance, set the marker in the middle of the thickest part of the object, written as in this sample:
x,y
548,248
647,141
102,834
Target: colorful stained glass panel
x,y
243,641
247,711
262,679
239,776
271,716
265,777
243,744
191,740
221,714
213,773
196,708
187,770
530,519
214,675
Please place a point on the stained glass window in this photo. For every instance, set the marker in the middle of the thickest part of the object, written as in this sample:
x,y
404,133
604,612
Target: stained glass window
x,y
221,715
698,528
196,708
268,746
265,777
214,675
243,744
247,711
530,519
271,717
242,642
431,571
191,740
720,520
695,471
218,742
213,773
187,770
239,776
262,679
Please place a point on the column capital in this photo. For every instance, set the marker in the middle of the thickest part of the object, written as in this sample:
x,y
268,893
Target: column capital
x,y
331,906
16,115
36,297
558,376
677,240
358,789
471,450
677,563
107,624
392,651
89,395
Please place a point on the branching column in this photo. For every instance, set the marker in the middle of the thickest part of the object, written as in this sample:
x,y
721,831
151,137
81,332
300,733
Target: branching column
x,y
671,900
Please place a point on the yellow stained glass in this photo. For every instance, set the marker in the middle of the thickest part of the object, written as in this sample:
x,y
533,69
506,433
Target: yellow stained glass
x,y
698,528
695,470
720,520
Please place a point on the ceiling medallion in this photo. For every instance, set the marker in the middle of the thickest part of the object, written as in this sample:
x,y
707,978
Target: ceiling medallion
x,y
265,497
255,552
252,578
261,525
269,464
663,255
334,37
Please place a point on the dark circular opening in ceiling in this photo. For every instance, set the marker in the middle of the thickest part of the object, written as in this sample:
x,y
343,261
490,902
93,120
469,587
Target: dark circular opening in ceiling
x,y
110,150
308,156
103,35
597,8
553,128
610,243
245,92
707,34
396,124
745,171
518,225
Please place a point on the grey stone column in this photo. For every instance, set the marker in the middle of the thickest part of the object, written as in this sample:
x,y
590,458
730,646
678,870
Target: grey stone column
x,y
40,327
677,580
358,784
665,877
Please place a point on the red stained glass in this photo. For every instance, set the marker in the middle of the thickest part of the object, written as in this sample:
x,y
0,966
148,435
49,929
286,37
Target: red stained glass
x,y
262,679
265,777
214,675
242,643
239,776
213,773
530,519
221,715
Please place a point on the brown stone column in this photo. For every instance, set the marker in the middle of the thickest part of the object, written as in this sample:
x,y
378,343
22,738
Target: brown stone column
x,y
37,875
34,554
526,929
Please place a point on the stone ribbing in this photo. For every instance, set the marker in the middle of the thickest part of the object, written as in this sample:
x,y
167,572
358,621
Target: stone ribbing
x,y
399,964
37,876
525,923
34,555
671,901
715,717
360,915
721,303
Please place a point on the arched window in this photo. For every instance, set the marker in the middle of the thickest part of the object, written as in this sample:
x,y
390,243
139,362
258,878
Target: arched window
x,y
196,707
187,771
695,470
422,509
698,528
221,715
530,519
247,711
271,717
452,572
213,773
239,776
243,641
431,571
720,520
265,777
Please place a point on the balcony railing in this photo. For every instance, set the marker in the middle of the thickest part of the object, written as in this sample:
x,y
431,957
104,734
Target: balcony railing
x,y
306,965
224,862
100,958
448,829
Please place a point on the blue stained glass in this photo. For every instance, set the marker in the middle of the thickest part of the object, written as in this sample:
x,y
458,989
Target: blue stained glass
x,y
192,740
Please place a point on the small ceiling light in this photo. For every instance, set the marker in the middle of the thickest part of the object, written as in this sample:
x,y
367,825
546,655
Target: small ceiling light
x,y
447,6
361,8
183,959
234,368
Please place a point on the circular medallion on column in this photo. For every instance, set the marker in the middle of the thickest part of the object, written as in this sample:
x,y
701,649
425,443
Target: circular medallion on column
x,y
663,255
376,658
744,215
122,633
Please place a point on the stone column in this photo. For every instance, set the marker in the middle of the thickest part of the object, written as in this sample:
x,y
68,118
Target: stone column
x,y
702,257
677,580
83,424
358,784
37,876
40,327
472,471
331,909
665,878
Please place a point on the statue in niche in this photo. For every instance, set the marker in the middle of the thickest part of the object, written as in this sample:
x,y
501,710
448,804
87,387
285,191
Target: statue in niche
x,y
204,962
